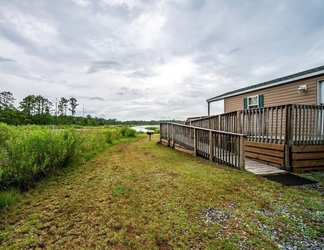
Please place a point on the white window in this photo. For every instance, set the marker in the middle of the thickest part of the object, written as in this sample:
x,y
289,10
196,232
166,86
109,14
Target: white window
x,y
253,102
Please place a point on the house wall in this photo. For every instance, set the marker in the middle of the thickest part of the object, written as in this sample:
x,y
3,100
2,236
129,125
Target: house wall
x,y
279,95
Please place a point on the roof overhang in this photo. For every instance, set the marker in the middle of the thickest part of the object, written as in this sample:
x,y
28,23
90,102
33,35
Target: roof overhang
x,y
268,84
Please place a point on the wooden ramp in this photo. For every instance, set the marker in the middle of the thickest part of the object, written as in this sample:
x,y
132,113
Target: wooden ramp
x,y
261,168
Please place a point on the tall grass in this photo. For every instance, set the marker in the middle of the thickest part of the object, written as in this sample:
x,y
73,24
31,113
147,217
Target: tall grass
x,y
28,153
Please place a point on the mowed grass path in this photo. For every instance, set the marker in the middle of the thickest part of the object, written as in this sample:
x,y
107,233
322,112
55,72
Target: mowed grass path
x,y
141,195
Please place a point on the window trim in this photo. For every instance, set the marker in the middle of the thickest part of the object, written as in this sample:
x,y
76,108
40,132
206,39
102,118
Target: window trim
x,y
252,106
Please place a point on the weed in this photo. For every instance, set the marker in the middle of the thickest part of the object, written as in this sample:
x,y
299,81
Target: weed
x,y
120,189
7,198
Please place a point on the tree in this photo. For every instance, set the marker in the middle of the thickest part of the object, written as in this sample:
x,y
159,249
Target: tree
x,y
6,100
73,105
63,106
27,105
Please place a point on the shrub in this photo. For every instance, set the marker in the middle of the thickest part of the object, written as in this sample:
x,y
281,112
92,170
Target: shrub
x,y
109,136
30,153
127,131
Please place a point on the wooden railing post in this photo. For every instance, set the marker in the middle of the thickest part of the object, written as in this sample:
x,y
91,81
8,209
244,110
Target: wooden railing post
x,y
168,134
238,122
195,142
242,152
221,123
173,136
161,132
211,146
288,136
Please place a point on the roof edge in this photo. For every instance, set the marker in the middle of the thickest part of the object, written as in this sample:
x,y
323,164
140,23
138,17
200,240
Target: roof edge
x,y
271,83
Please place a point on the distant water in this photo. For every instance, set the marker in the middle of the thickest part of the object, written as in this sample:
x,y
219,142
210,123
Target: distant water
x,y
143,127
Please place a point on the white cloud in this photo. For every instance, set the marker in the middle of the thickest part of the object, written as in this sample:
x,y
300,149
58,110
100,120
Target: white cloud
x,y
153,59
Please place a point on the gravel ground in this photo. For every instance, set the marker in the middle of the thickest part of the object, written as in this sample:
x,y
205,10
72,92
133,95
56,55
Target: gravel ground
x,y
294,237
298,238
316,186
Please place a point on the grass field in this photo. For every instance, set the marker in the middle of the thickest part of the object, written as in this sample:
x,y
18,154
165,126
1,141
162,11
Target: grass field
x,y
142,195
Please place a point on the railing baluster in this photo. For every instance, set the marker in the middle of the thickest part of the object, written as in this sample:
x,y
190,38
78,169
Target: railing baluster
x,y
276,127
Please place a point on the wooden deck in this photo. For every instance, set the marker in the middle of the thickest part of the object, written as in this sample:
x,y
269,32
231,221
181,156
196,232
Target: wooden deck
x,y
251,165
259,168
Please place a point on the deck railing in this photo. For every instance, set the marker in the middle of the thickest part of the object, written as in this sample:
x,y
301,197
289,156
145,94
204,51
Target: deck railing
x,y
222,147
291,124
306,125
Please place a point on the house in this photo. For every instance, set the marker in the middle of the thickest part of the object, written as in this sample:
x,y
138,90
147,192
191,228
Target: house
x,y
282,120
306,87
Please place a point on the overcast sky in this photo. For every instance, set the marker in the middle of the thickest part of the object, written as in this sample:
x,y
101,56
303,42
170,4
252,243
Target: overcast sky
x,y
153,59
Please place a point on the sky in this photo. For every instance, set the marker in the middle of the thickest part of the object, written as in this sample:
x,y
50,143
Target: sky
x,y
153,59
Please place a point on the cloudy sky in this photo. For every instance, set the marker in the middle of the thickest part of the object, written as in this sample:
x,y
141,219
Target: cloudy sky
x,y
153,59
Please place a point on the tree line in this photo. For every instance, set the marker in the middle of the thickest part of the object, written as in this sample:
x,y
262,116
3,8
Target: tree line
x,y
36,109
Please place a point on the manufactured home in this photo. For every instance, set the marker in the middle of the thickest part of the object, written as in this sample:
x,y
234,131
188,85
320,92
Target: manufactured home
x,y
305,87
281,120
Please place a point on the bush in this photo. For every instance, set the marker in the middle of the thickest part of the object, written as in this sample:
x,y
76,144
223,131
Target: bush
x,y
127,131
30,153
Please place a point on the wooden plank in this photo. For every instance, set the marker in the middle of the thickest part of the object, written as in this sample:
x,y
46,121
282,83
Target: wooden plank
x,y
258,167
164,142
268,163
264,151
182,149
264,158
307,156
308,163
307,169
279,147
303,149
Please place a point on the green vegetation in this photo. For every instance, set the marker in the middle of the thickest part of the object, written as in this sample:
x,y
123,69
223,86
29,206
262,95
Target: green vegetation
x,y
155,129
29,153
141,195
7,198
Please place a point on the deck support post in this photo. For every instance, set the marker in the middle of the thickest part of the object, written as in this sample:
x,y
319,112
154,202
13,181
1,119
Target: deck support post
x,y
208,108
211,146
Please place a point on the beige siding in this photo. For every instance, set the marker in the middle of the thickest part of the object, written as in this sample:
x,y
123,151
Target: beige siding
x,y
279,95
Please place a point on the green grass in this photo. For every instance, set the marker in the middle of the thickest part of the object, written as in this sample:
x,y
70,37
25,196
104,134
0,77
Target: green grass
x,y
142,195
7,198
